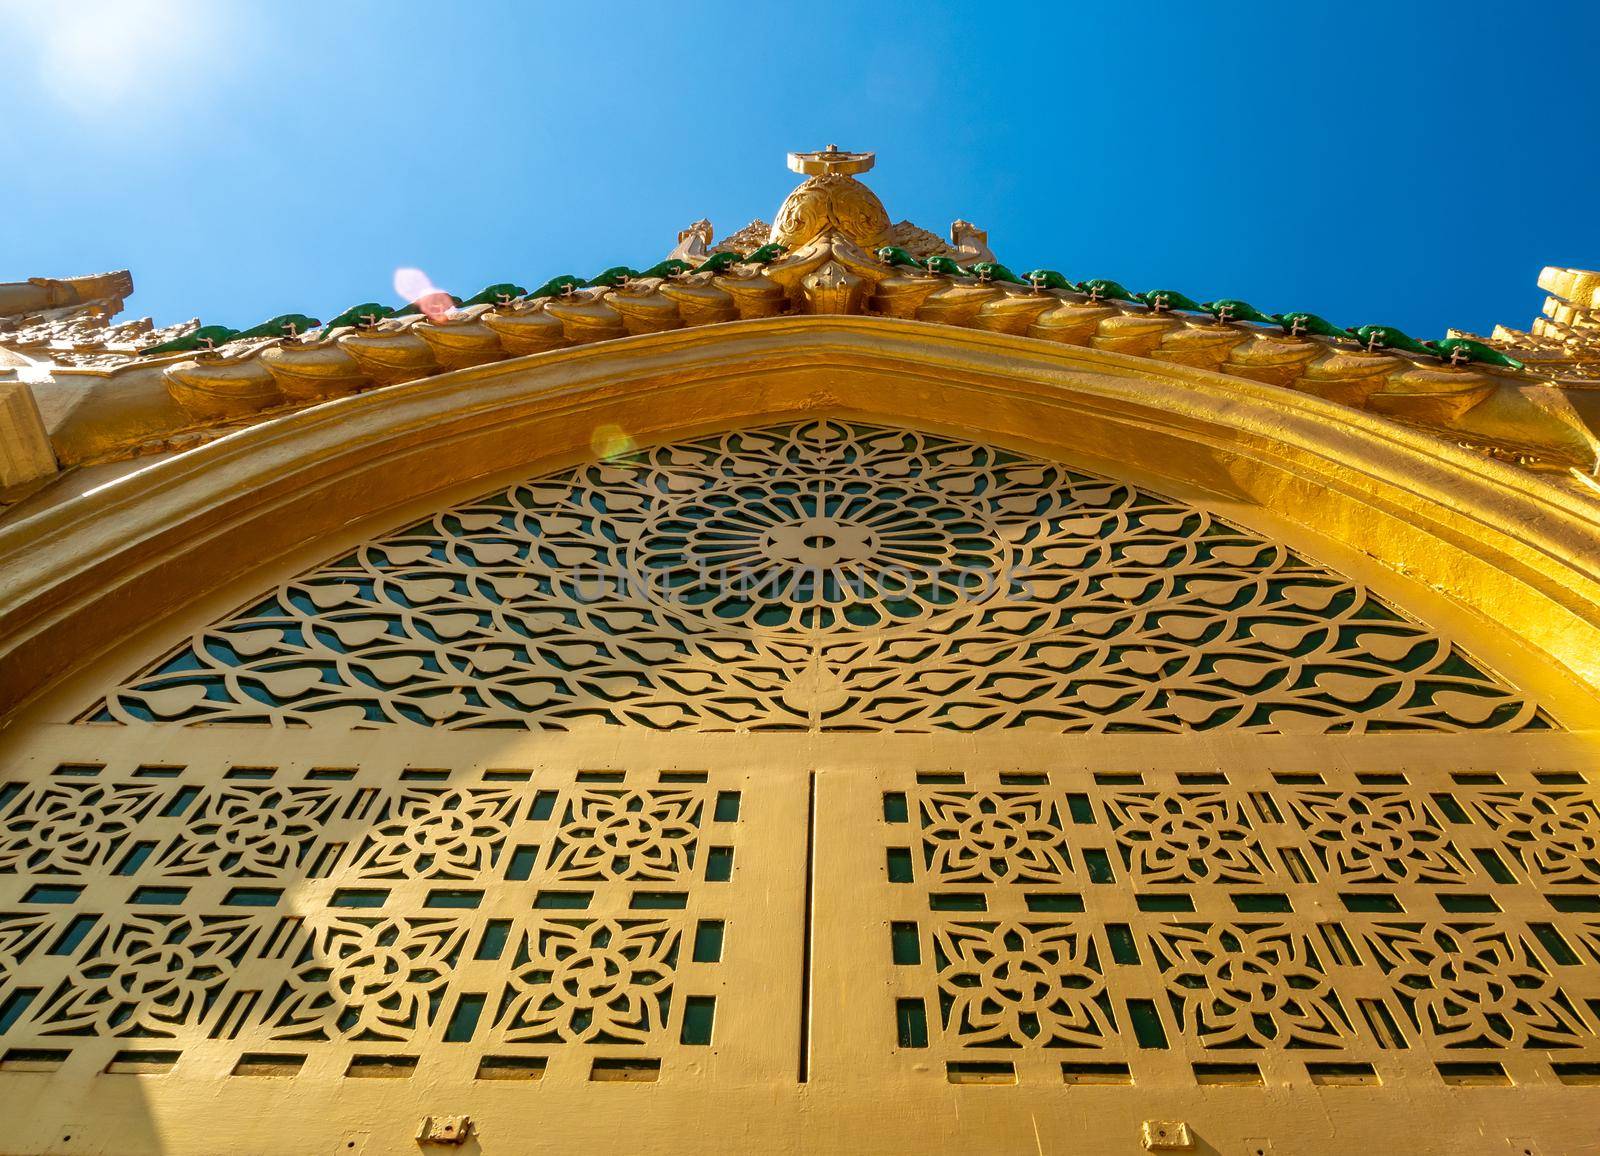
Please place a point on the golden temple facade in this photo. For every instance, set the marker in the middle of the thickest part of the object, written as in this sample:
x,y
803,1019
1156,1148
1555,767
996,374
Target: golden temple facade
x,y
826,690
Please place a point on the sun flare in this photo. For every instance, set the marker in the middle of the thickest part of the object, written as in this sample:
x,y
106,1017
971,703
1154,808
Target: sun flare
x,y
96,55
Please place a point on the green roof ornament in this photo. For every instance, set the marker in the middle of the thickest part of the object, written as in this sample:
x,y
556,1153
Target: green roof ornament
x,y
1099,289
494,294
560,286
283,325
1300,324
986,271
365,315
1376,337
1228,310
945,266
204,339
718,262
767,254
671,267
896,256
1161,300
1042,279
613,277
1464,350
1456,351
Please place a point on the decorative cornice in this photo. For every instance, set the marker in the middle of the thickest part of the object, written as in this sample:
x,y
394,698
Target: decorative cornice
x,y
1520,415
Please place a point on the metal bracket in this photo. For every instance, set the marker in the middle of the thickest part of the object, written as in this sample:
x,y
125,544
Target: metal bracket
x,y
1167,1136
448,1130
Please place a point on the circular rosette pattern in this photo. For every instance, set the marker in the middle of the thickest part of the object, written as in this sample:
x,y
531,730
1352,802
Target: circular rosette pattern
x,y
830,553
367,978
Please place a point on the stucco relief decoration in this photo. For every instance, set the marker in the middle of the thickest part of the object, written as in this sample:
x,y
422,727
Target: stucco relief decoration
x,y
831,198
819,576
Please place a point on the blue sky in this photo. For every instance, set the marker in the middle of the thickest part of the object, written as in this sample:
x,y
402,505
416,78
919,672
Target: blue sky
x,y
1405,163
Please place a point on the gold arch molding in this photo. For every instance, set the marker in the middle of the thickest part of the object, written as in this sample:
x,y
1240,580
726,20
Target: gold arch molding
x,y
1503,561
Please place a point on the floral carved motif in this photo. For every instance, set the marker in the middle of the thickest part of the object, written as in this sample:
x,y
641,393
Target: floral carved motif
x,y
437,834
1257,986
1555,835
249,832
367,978
998,837
1191,837
591,981
70,830
1475,985
628,834
1012,984
158,975
1378,837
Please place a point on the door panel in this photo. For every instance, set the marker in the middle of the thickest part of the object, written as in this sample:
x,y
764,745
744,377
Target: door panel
x,y
215,909
1190,915
307,942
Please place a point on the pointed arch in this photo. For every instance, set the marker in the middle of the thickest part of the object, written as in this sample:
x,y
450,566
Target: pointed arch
x,y
822,575
1501,558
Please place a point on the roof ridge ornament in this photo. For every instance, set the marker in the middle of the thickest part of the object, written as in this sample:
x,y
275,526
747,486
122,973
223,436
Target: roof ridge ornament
x,y
830,201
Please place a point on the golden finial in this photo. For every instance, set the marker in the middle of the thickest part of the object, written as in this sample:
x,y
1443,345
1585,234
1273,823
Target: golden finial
x,y
831,161
831,199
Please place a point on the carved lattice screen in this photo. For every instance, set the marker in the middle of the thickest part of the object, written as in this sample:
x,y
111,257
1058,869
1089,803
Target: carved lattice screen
x,y
176,901
1273,916
1173,815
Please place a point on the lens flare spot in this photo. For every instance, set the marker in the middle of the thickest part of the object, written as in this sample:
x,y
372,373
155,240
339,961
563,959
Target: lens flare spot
x,y
414,287
410,284
610,441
